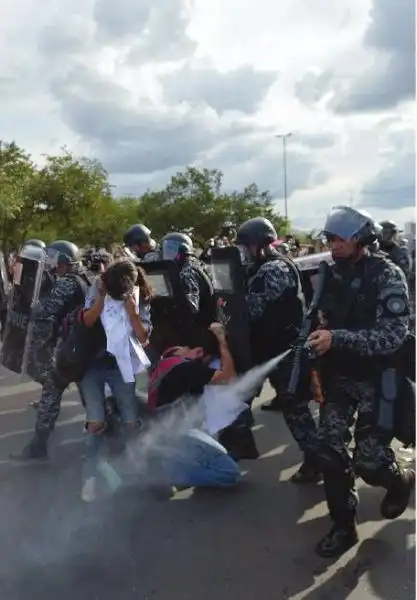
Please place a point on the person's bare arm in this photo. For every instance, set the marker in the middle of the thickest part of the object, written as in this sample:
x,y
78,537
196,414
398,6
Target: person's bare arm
x,y
138,327
227,371
91,315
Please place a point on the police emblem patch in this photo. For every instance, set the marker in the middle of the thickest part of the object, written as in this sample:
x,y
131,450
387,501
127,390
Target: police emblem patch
x,y
396,305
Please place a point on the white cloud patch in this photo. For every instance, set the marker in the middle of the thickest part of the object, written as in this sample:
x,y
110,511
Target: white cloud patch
x,y
149,87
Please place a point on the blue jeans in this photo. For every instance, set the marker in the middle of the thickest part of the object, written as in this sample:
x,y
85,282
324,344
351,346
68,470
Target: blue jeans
x,y
92,388
198,460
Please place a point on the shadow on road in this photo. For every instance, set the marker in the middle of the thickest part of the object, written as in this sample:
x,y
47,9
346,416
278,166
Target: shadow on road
x,y
388,560
253,542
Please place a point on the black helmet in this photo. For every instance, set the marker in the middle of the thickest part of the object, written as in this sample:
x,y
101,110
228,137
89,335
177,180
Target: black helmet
x,y
37,243
391,225
63,253
389,230
257,231
136,235
176,243
349,223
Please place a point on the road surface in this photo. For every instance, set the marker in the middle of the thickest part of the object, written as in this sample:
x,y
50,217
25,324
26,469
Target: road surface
x,y
255,542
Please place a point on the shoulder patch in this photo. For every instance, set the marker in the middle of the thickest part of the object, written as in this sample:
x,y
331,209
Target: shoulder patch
x,y
396,305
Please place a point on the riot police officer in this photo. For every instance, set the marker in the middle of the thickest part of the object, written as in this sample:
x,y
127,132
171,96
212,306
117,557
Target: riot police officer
x,y
396,252
364,322
97,261
275,304
226,235
196,283
139,241
67,293
35,242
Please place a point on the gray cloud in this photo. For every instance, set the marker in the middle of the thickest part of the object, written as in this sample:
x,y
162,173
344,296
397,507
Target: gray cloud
x,y
151,30
316,141
136,139
257,158
313,87
391,79
242,89
394,186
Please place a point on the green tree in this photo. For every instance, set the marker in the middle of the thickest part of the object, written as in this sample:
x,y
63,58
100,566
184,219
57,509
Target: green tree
x,y
194,199
17,173
71,198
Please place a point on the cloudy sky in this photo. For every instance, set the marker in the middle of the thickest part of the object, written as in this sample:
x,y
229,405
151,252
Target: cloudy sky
x,y
149,86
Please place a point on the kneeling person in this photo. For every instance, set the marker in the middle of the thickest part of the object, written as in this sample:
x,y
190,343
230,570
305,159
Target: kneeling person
x,y
199,460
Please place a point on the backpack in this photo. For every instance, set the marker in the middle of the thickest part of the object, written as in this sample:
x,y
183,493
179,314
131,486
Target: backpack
x,y
167,362
78,344
78,347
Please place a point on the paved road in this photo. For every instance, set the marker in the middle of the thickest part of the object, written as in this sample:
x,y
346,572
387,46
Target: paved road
x,y
253,542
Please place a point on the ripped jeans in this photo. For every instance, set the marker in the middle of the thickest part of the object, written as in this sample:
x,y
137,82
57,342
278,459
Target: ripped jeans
x,y
92,388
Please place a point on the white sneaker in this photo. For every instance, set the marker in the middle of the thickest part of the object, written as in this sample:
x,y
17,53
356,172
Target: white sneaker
x,y
88,492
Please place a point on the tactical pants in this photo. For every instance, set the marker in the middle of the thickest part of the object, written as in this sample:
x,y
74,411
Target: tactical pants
x,y
372,459
49,404
297,414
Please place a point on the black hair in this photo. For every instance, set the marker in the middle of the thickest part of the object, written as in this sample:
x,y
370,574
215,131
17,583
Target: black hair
x,y
120,279
207,340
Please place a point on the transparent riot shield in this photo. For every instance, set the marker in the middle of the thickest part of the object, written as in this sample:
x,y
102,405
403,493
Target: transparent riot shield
x,y
308,267
4,281
168,305
24,294
231,310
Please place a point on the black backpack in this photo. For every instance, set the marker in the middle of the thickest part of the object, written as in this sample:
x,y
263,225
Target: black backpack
x,y
78,344
78,347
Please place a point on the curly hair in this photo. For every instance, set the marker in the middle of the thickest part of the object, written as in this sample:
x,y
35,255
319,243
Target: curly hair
x,y
120,279
144,284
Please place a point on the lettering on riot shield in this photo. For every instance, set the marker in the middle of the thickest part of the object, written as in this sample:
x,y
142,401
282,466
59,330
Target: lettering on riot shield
x,y
231,310
19,323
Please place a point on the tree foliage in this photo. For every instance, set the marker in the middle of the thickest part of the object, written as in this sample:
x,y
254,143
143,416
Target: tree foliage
x,y
71,198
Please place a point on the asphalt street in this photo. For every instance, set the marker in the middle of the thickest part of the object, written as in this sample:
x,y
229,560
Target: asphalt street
x,y
253,542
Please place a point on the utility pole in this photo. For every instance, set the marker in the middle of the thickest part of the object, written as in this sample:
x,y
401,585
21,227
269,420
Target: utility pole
x,y
284,137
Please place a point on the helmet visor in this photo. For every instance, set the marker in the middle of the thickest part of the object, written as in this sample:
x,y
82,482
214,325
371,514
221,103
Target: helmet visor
x,y
51,259
344,223
170,249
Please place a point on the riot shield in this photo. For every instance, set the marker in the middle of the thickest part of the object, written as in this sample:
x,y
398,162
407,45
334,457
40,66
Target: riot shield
x,y
4,293
231,309
4,282
309,266
24,294
168,306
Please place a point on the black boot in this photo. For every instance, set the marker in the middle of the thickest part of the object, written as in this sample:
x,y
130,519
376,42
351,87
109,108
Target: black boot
x,y
239,443
338,541
398,495
36,451
307,473
274,405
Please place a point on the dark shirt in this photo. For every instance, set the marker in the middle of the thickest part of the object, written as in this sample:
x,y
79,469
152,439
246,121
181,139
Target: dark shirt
x,y
186,379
